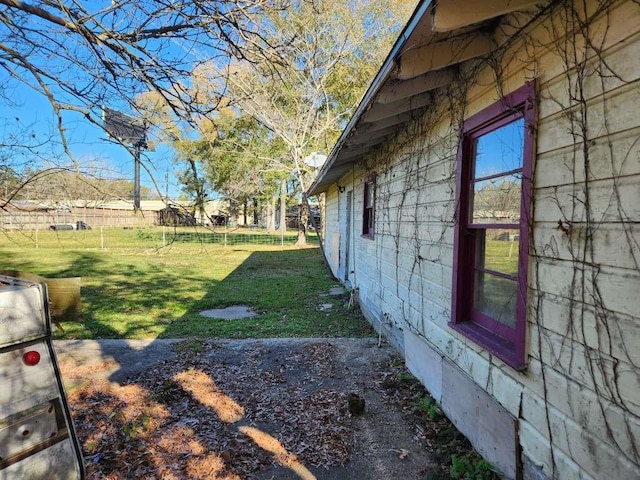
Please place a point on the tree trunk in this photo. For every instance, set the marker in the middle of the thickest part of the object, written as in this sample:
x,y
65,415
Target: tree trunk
x,y
271,214
256,217
267,218
244,212
283,206
303,222
233,213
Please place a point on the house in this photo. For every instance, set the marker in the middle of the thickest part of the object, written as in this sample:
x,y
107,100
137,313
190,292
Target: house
x,y
484,202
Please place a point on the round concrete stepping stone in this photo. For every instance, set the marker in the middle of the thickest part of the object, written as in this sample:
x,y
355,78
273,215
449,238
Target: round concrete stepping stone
x,y
234,312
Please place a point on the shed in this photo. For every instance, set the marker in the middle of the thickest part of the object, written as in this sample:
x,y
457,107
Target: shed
x,y
484,202
175,217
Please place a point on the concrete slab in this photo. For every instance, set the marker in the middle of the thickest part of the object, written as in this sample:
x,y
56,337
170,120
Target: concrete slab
x,y
335,291
234,312
114,359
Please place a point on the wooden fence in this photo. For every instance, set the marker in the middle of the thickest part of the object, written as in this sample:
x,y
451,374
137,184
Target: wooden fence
x,y
93,216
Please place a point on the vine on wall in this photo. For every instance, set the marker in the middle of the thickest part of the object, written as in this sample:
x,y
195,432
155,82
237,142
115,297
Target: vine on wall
x,y
577,331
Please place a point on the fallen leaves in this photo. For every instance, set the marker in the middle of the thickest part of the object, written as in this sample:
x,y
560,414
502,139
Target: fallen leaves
x,y
204,390
204,416
246,411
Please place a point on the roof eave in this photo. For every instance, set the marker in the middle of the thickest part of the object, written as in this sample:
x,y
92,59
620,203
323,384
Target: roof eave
x,y
321,183
427,56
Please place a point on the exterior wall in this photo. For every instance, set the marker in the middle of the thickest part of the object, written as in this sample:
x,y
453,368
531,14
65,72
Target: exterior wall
x,y
331,228
577,406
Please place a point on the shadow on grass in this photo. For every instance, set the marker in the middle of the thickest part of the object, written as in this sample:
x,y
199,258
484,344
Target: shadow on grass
x,y
286,289
289,290
126,299
138,294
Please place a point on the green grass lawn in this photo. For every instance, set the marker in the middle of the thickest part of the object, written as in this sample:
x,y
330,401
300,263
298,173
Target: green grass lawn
x,y
134,289
502,256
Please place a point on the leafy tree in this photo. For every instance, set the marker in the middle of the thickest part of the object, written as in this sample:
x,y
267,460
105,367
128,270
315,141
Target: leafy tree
x,y
65,187
238,155
304,91
9,180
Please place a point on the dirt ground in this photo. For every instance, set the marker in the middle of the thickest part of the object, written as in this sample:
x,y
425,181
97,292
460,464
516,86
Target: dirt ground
x,y
254,409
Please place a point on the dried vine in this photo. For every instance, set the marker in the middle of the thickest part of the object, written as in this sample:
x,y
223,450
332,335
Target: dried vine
x,y
415,219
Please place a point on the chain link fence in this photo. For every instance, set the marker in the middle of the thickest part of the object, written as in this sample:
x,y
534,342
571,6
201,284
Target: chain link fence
x,y
148,237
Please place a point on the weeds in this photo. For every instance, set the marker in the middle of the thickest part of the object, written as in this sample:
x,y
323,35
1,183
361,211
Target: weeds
x,y
427,406
190,345
471,467
143,235
137,427
453,454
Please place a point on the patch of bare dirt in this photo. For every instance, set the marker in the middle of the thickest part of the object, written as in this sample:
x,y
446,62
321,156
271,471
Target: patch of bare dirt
x,y
264,409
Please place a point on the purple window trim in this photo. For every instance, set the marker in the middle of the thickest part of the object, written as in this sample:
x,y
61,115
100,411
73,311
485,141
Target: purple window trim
x,y
507,343
369,211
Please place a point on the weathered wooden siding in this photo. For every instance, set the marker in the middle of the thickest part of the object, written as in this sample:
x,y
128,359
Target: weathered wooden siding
x,y
584,283
578,403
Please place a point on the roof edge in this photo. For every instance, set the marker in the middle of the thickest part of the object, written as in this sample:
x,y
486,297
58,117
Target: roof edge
x,y
317,186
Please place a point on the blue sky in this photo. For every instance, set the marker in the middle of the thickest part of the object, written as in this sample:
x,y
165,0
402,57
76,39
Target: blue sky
x,y
91,72
500,150
89,144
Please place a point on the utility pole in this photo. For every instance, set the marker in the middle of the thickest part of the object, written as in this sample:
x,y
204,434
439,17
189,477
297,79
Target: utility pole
x,y
136,177
166,185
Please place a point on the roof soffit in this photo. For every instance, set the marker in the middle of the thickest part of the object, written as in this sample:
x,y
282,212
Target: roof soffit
x,y
427,61
398,89
441,54
450,15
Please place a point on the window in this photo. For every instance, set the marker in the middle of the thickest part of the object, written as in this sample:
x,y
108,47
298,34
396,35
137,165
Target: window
x,y
491,236
368,210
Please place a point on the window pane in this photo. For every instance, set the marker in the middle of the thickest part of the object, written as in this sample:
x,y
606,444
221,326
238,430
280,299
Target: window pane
x,y
495,297
368,195
497,250
500,150
368,212
367,222
497,200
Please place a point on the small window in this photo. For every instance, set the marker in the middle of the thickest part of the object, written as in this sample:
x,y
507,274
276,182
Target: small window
x,y
491,234
368,210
